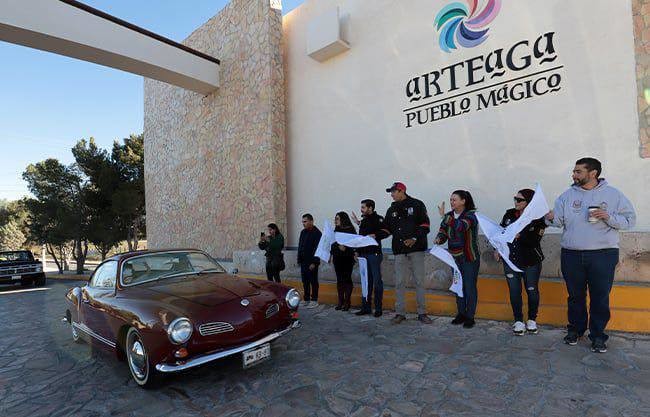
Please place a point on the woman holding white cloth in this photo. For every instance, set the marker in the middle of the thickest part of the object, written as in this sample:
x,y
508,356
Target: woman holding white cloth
x,y
343,259
526,254
459,228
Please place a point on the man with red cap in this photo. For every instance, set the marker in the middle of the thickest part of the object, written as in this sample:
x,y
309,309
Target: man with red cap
x,y
407,221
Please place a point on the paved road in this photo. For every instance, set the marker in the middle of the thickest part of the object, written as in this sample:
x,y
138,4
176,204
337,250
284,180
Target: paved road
x,y
336,365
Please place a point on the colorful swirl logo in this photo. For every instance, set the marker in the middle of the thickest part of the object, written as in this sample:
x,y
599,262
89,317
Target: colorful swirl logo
x,y
460,25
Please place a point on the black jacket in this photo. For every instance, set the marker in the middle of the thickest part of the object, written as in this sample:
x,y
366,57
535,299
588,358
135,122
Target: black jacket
x,y
371,225
526,250
343,256
307,245
404,220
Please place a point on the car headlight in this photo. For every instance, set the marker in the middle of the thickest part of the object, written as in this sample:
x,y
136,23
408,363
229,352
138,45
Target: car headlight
x,y
180,330
293,298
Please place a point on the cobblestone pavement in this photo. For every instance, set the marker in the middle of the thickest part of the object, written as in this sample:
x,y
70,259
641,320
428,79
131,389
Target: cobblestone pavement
x,y
336,364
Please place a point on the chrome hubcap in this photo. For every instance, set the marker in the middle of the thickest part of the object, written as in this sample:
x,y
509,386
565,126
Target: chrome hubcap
x,y
138,358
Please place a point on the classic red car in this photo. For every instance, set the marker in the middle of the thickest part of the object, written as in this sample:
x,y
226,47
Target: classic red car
x,y
167,311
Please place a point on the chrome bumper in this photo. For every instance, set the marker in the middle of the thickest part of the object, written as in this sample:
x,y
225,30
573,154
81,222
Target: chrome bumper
x,y
200,360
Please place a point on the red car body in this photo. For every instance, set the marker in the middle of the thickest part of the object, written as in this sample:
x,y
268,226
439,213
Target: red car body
x,y
229,314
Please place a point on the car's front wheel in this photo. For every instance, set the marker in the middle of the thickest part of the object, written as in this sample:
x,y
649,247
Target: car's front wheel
x,y
75,334
73,330
138,360
40,281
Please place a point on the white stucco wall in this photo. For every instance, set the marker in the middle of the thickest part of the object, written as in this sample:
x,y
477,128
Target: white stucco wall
x,y
347,138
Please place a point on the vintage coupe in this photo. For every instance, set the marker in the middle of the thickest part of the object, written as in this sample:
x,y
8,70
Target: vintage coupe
x,y
167,311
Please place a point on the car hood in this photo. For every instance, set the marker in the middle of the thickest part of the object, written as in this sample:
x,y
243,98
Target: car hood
x,y
207,290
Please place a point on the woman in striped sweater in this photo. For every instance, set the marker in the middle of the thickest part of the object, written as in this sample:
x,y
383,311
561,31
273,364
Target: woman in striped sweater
x,y
459,227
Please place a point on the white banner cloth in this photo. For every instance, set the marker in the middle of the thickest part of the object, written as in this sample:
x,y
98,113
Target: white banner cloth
x,y
363,271
499,236
354,241
325,243
493,231
537,208
457,283
346,239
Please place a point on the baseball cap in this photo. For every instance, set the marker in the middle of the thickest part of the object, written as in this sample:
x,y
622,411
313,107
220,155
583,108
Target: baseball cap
x,y
396,186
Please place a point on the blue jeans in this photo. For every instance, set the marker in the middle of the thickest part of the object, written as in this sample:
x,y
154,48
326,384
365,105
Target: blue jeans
x,y
591,270
530,277
374,282
469,270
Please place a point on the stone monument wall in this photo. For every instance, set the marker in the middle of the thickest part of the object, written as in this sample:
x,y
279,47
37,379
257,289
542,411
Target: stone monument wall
x,y
215,165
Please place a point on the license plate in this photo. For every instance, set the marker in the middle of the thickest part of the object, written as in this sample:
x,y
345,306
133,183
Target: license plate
x,y
15,277
254,356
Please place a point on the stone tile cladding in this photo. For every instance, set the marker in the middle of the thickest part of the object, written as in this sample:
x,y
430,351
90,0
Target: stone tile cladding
x,y
641,15
215,165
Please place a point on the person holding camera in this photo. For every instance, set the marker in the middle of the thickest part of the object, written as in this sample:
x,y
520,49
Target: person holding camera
x,y
273,245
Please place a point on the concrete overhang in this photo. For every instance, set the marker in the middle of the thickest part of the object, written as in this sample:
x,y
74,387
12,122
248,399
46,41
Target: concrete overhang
x,y
73,29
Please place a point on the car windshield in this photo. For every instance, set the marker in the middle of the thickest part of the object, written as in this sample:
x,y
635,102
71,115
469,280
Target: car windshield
x,y
155,266
16,256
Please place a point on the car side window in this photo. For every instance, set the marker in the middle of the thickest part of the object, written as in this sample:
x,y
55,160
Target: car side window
x,y
105,275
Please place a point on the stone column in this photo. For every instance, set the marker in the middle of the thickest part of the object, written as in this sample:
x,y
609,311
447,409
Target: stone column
x,y
641,15
215,165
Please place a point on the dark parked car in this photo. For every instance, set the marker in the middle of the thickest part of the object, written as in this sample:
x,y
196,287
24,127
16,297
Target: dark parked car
x,y
167,311
20,267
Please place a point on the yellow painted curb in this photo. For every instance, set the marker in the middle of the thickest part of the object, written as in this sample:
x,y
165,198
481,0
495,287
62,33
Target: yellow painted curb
x,y
630,304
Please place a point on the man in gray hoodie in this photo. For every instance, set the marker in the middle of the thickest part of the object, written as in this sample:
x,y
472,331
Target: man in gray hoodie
x,y
591,213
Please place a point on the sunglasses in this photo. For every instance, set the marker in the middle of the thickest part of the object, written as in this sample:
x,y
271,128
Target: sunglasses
x,y
519,200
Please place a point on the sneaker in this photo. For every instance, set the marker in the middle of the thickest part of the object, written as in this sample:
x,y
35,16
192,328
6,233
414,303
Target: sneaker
x,y
398,319
312,304
519,328
424,319
378,313
304,303
362,313
531,327
598,346
571,338
469,323
459,319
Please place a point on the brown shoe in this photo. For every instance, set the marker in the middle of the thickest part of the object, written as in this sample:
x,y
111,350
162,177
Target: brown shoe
x,y
424,319
398,319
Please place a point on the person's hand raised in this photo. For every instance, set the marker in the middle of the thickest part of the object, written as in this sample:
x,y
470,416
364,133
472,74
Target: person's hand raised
x,y
441,209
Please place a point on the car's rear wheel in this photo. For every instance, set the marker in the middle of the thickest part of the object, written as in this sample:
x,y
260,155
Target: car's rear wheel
x,y
138,360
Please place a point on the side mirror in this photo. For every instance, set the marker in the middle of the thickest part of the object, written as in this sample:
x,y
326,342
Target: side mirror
x,y
234,271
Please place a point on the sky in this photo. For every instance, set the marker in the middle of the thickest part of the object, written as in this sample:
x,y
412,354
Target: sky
x,y
48,102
